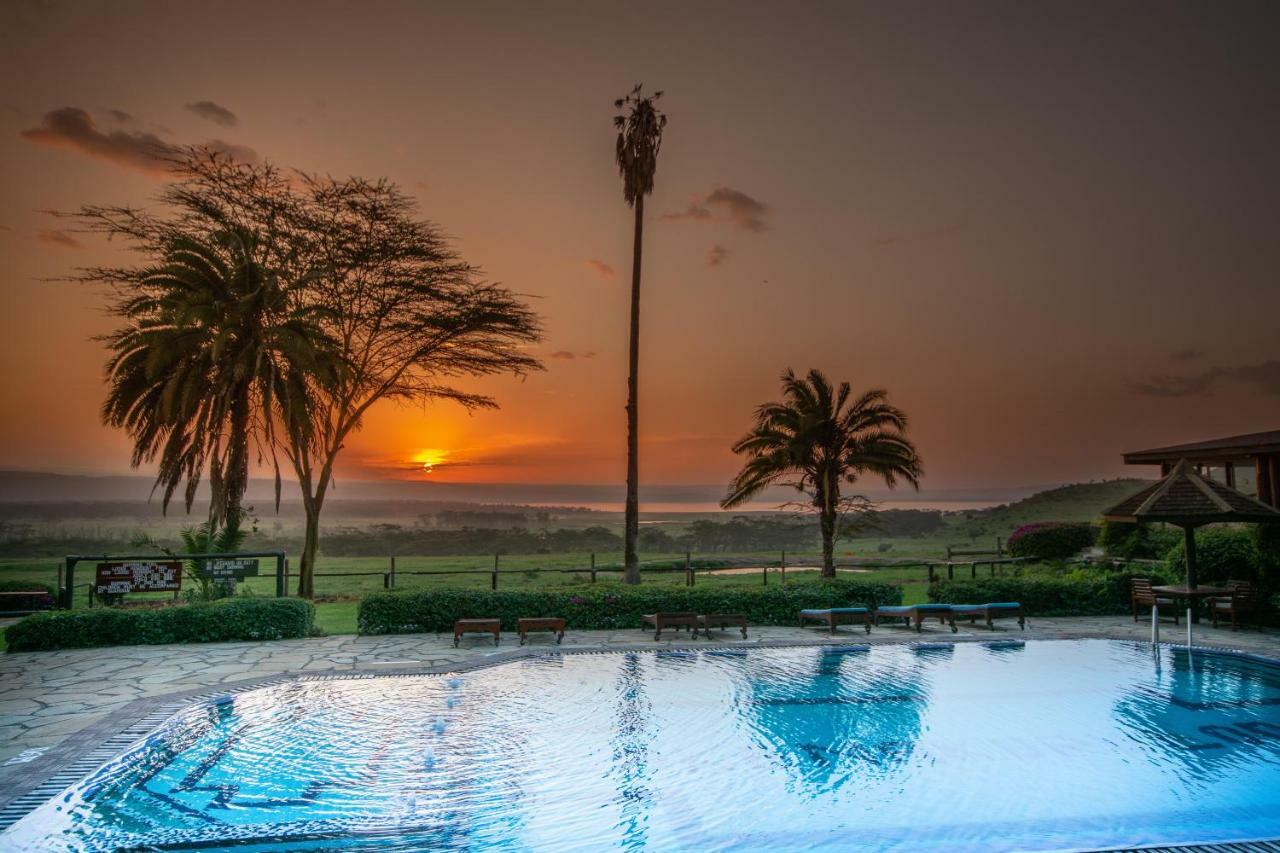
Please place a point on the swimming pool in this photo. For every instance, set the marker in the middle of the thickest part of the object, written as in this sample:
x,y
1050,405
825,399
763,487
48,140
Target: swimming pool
x,y
1043,745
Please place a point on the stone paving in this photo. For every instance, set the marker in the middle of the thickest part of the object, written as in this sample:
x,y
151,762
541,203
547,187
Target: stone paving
x,y
45,697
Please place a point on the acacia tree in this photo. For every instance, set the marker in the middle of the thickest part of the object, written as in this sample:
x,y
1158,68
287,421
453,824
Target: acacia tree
x,y
818,437
406,315
640,127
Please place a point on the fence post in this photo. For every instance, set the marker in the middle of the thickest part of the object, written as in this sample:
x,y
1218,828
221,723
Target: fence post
x,y
951,569
495,572
999,547
593,566
764,573
688,569
783,566
65,593
386,580
392,579
973,570
930,567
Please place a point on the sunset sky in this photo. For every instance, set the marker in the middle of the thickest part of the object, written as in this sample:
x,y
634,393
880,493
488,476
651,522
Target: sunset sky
x,y
1051,231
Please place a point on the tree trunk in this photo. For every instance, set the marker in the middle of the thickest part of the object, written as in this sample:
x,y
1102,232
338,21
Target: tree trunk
x,y
236,477
631,558
827,521
310,541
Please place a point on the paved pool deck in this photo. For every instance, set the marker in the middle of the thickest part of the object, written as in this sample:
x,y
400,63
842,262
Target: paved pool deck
x,y
55,707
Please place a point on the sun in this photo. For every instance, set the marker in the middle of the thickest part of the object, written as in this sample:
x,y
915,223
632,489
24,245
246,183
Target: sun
x,y
428,459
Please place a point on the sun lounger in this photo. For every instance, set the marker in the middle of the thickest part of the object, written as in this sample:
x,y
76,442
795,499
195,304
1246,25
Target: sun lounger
x,y
476,626
525,624
833,616
671,620
707,621
917,613
991,612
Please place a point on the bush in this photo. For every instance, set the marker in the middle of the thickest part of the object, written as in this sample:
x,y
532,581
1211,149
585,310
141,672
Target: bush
x,y
436,610
1221,554
25,586
1130,541
1089,592
219,621
1051,540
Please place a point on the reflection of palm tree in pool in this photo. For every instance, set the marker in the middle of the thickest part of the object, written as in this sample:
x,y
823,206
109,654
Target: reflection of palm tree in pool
x,y
856,715
1203,711
630,765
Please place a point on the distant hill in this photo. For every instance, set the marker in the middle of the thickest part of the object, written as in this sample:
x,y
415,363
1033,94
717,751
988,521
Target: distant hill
x,y
1080,502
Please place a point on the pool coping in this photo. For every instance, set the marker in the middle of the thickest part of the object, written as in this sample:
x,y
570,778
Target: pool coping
x,y
84,751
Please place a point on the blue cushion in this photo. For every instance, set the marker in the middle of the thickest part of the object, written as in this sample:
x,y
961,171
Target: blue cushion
x,y
896,609
966,608
814,612
1003,605
848,610
933,608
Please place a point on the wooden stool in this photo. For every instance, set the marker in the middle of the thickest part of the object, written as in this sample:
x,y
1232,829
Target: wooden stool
x,y
540,623
721,620
477,626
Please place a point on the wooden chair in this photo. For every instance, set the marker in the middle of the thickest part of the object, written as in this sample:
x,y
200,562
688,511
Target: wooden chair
x,y
1142,599
1243,602
677,620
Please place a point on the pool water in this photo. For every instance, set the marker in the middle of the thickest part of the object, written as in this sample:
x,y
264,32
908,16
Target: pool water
x,y
1043,746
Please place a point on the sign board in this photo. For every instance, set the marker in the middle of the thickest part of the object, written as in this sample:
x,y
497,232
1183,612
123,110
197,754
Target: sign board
x,y
227,568
157,576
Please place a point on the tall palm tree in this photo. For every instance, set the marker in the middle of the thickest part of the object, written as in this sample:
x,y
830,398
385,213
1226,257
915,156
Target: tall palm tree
x,y
640,126
217,351
817,437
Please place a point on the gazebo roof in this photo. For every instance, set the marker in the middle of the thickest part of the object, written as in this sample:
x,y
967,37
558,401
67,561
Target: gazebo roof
x,y
1184,497
1231,448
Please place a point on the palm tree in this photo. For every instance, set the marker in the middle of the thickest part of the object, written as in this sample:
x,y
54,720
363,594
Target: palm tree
x,y
217,352
818,437
640,127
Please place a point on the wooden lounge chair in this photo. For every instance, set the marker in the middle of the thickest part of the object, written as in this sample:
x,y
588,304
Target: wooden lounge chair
x,y
1242,602
477,626
707,621
833,616
671,620
917,613
1142,599
525,624
991,612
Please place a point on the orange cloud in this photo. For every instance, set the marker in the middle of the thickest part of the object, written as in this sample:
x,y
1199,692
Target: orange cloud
x,y
601,269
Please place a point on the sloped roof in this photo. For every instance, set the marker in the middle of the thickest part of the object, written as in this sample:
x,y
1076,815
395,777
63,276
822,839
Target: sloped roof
x,y
1231,447
1185,497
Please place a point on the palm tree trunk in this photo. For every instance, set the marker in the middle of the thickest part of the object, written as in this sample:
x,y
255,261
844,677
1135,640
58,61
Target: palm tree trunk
x,y
827,521
631,559
236,480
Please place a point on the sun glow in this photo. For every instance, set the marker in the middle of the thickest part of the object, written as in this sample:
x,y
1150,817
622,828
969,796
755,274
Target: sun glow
x,y
429,459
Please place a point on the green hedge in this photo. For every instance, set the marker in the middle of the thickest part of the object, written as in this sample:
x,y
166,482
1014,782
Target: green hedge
x,y
436,610
228,619
1221,554
1074,594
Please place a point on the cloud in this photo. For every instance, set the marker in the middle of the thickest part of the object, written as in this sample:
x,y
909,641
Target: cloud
x,y
59,238
727,205
717,255
215,113
1188,354
602,269
1263,378
72,127
122,117
566,355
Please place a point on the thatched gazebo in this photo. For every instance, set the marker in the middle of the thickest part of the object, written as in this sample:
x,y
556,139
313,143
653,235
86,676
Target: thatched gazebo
x,y
1189,500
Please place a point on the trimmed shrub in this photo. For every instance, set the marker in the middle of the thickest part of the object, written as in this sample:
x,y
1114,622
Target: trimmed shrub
x,y
24,586
218,621
1051,540
1221,554
1080,593
436,610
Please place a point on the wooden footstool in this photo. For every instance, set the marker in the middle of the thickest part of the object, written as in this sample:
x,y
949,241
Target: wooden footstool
x,y
477,626
721,620
681,619
540,623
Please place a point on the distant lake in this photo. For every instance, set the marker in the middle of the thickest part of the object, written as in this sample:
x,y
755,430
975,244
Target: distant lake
x,y
651,507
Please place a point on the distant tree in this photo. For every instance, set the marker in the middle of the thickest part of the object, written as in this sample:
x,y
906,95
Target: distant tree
x,y
408,314
818,437
640,126
215,349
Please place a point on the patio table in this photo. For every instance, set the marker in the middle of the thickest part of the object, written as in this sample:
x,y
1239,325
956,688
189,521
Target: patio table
x,y
1192,594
